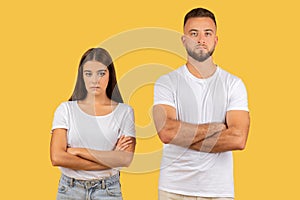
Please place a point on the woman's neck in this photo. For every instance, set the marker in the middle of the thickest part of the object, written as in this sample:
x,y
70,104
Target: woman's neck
x,y
96,99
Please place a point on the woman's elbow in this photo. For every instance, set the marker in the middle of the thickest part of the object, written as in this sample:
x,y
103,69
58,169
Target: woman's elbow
x,y
56,159
127,160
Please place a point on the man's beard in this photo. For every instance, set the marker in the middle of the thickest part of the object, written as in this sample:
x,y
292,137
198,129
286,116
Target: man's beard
x,y
201,56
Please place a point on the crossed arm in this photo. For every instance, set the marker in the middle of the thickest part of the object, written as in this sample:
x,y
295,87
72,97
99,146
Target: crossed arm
x,y
87,159
210,137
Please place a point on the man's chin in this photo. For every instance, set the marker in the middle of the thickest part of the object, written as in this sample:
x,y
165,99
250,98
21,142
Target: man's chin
x,y
200,58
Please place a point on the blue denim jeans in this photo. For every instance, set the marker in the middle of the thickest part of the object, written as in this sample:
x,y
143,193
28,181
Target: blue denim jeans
x,y
104,189
163,195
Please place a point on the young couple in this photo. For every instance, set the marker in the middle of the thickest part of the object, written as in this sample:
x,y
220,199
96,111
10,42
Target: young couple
x,y
200,113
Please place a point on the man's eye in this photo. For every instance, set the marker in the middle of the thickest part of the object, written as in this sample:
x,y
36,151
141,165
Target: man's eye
x,y
208,34
194,34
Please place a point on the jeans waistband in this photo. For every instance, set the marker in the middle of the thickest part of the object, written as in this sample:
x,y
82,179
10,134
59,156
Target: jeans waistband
x,y
101,183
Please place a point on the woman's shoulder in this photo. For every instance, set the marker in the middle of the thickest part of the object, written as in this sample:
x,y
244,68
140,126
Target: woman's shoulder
x,y
68,103
65,105
125,107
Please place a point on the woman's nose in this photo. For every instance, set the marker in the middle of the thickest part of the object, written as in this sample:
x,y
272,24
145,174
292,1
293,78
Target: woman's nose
x,y
95,79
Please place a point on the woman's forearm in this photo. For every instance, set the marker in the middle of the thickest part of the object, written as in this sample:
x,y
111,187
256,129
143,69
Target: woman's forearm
x,y
110,159
67,160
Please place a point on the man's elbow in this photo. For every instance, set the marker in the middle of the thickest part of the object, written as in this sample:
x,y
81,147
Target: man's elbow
x,y
165,136
241,143
240,146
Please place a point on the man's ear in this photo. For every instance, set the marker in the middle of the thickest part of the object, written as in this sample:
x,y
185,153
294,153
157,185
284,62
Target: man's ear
x,y
183,39
216,40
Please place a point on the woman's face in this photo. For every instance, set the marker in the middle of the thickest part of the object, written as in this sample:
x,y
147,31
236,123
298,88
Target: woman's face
x,y
96,77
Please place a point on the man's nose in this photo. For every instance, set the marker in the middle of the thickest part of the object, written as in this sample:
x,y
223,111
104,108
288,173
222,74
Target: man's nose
x,y
200,39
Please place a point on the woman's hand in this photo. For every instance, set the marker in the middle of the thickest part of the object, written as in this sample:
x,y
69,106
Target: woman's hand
x,y
72,151
123,143
77,151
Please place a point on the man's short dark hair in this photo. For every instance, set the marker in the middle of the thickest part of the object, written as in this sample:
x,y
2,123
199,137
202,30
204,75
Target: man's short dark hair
x,y
199,12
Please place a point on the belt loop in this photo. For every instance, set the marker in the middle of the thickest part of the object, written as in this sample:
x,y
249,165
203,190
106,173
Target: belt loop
x,y
72,182
103,185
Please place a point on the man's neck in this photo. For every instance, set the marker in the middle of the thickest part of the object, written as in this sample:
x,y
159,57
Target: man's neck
x,y
203,69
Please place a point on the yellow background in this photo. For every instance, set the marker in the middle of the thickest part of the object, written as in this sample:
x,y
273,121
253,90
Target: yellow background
x,y
42,42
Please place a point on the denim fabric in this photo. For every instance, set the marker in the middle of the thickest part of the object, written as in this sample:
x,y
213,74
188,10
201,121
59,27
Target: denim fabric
x,y
163,195
104,189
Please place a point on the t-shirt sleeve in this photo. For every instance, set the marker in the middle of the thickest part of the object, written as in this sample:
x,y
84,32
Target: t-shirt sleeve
x,y
163,93
238,98
60,119
127,125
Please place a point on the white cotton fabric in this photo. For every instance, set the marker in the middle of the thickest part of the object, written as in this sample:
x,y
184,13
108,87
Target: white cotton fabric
x,y
198,101
93,132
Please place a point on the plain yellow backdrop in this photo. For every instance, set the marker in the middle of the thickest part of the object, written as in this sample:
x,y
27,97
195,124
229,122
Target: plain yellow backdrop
x,y
42,42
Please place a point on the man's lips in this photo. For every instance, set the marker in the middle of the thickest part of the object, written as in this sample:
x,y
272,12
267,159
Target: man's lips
x,y
200,47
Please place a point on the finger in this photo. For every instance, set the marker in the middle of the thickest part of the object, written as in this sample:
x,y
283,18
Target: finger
x,y
121,142
124,147
126,138
125,143
121,138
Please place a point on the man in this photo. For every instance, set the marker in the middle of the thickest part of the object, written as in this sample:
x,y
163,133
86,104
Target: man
x,y
201,114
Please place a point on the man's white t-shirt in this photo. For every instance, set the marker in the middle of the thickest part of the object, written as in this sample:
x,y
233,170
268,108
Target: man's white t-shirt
x,y
93,132
197,101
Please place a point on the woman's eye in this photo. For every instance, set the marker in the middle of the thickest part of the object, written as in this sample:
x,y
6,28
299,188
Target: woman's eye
x,y
101,74
88,74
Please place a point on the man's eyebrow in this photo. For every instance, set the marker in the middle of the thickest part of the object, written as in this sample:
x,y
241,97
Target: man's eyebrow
x,y
208,30
193,30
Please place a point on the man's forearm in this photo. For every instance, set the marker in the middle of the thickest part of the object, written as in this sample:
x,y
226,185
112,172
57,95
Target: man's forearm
x,y
226,140
232,138
173,131
185,134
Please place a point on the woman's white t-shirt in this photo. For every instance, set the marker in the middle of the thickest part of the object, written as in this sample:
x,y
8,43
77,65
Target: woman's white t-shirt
x,y
93,132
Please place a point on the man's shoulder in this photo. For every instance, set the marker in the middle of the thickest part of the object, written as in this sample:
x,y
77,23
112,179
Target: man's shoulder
x,y
227,75
174,74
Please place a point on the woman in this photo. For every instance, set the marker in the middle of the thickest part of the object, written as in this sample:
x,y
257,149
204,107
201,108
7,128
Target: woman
x,y
93,134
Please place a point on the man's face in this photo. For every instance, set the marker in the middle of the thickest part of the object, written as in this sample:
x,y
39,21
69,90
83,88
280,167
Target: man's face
x,y
200,38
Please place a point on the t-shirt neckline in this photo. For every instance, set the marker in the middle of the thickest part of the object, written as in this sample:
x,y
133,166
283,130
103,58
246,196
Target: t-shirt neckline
x,y
96,116
201,80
